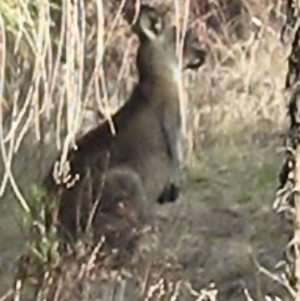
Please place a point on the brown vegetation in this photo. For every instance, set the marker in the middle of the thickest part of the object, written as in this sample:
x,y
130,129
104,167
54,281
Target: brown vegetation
x,y
288,201
233,123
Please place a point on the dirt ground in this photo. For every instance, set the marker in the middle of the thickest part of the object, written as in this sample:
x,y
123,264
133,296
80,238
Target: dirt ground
x,y
224,226
218,231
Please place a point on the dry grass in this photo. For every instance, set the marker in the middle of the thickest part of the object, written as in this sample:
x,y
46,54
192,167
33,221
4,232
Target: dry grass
x,y
235,116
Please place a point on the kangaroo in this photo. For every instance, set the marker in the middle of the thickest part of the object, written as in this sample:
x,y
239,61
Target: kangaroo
x,y
143,152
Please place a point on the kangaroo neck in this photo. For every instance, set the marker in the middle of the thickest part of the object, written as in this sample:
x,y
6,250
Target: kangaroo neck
x,y
160,88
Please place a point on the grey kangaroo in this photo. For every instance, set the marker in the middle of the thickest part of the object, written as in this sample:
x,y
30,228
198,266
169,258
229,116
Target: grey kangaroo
x,y
140,162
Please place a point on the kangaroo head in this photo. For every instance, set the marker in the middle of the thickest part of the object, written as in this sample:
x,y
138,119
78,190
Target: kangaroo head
x,y
157,56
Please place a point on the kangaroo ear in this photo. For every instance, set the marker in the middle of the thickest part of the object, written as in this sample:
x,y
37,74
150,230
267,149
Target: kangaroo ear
x,y
149,23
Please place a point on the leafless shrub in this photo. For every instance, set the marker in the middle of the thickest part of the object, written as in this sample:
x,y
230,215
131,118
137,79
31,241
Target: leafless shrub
x,y
288,202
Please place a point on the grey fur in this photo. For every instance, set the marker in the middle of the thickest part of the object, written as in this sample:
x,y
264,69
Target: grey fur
x,y
144,150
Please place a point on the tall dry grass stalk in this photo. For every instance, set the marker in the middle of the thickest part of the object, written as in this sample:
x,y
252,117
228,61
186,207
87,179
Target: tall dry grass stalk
x,y
46,86
59,57
55,61
52,68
